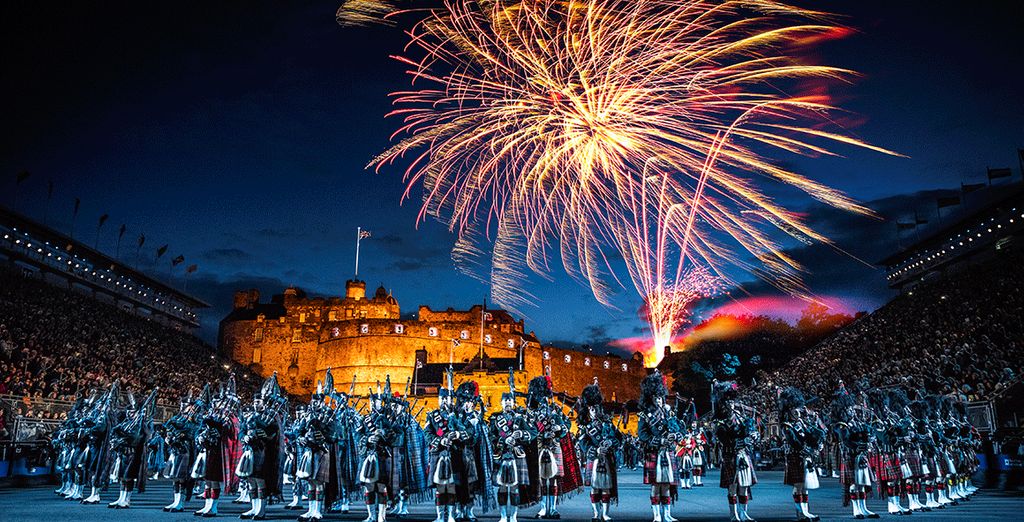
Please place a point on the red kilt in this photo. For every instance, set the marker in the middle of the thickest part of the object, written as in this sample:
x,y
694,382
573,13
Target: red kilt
x,y
885,466
650,468
847,466
796,473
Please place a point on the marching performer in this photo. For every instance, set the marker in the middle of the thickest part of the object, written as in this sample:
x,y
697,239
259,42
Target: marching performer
x,y
659,432
804,440
476,453
854,434
445,437
180,432
348,418
687,447
511,434
379,436
91,458
552,461
737,433
262,447
128,446
599,440
215,463
291,440
316,438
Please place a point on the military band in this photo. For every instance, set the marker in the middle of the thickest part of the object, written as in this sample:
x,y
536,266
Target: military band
x,y
917,451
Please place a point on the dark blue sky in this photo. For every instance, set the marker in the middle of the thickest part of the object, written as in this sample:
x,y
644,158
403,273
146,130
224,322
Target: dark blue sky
x,y
236,132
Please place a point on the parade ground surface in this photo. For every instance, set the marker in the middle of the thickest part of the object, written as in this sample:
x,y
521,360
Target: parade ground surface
x,y
772,502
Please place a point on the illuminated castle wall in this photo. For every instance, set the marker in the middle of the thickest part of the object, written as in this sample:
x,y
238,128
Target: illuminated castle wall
x,y
300,337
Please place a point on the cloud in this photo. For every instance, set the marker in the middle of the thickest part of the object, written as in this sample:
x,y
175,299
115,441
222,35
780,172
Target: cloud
x,y
226,254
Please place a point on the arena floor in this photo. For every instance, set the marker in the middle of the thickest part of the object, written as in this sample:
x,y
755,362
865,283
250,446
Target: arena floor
x,y
772,502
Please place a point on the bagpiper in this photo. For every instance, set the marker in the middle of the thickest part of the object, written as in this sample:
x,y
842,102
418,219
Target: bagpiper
x,y
292,430
477,453
686,451
599,440
854,433
445,436
805,438
218,449
415,460
658,431
511,434
91,458
348,418
128,447
554,466
316,438
64,444
737,433
180,433
379,438
262,447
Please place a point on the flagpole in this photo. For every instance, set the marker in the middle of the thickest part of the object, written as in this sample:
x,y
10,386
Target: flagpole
x,y
359,233
483,312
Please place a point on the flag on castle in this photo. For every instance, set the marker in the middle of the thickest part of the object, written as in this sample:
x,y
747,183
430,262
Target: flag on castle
x,y
178,260
363,234
488,316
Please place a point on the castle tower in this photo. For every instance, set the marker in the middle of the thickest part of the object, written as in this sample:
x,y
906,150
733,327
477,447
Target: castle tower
x,y
355,289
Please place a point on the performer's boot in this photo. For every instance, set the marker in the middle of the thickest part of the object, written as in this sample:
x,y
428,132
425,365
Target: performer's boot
x,y
261,509
502,513
119,501
71,492
371,512
252,511
553,510
805,505
294,504
797,501
93,498
743,509
243,496
467,512
382,512
666,509
543,513
172,505
207,505
606,499
656,509
513,513
595,504
127,499
214,498
864,506
855,502
940,493
734,510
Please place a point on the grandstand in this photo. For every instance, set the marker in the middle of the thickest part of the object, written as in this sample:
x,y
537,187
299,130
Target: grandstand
x,y
61,260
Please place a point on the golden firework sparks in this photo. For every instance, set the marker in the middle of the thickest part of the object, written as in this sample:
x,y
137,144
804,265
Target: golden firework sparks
x,y
592,130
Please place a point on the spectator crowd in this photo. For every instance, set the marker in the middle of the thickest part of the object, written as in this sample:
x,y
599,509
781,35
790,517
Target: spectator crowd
x,y
961,335
56,344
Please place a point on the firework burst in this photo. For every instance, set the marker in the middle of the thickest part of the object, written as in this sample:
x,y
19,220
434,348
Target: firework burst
x,y
593,131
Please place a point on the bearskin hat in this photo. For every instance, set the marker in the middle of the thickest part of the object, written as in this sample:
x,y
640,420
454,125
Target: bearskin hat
x,y
724,391
790,399
652,386
878,400
592,395
538,391
466,392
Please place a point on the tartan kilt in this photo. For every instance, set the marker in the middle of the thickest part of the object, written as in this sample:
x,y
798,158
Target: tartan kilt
x,y
848,466
913,459
522,469
941,466
556,452
650,468
795,471
728,475
886,468
603,478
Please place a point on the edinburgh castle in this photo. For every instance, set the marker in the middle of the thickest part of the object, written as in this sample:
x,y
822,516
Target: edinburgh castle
x,y
364,339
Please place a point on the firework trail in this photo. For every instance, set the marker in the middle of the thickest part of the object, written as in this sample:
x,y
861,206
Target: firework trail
x,y
614,133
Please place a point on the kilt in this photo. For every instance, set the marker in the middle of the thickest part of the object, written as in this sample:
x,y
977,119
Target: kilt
x,y
211,469
941,465
885,466
698,458
913,459
504,466
847,471
796,472
556,465
179,465
599,478
651,468
728,476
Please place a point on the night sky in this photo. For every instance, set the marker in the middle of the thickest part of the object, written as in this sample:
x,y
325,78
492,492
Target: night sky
x,y
237,133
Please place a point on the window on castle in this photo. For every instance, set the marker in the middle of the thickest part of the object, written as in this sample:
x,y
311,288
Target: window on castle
x,y
348,313
487,338
464,334
568,358
257,335
607,365
332,315
624,367
511,343
362,314
302,317
432,331
399,328
297,335
260,318
335,332
586,361
364,328
281,319
257,355
504,328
